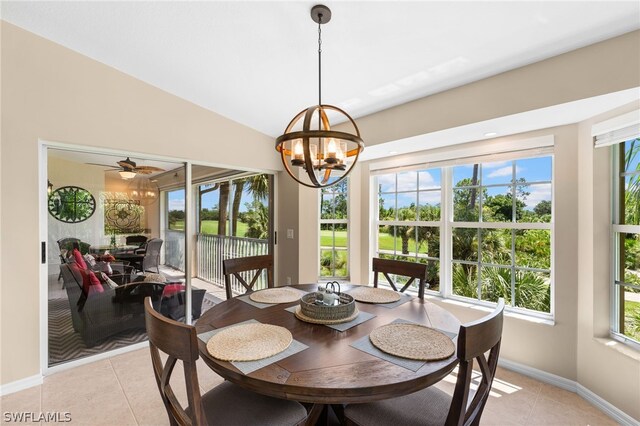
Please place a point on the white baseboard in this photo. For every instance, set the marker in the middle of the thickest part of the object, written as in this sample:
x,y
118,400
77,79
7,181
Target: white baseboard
x,y
605,406
21,384
540,375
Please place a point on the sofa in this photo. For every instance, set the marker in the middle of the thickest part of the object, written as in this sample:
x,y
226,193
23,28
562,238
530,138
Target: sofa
x,y
97,315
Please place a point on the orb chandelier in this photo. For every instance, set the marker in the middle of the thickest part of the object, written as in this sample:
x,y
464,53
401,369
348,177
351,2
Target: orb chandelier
x,y
327,156
142,189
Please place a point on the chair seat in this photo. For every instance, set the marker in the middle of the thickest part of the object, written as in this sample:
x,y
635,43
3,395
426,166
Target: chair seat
x,y
427,407
229,404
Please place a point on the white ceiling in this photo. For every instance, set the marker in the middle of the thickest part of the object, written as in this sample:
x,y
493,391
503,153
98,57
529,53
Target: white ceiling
x,y
256,62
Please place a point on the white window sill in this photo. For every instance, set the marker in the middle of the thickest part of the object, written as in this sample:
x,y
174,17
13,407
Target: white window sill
x,y
488,309
619,346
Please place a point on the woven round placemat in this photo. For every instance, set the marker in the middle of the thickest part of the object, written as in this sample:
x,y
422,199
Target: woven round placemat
x,y
249,342
276,295
305,318
374,295
412,341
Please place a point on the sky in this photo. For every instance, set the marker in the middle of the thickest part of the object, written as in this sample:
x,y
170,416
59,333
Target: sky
x,y
428,182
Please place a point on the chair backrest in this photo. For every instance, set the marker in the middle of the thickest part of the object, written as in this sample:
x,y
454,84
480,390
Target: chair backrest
x,y
152,255
179,342
67,243
413,270
233,267
135,239
474,340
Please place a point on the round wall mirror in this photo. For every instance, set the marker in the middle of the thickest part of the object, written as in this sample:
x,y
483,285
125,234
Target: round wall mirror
x,y
71,204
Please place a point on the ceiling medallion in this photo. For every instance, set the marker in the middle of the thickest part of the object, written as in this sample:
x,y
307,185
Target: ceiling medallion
x,y
327,156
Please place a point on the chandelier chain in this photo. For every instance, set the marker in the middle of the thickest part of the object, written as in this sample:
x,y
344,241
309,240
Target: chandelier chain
x,y
319,59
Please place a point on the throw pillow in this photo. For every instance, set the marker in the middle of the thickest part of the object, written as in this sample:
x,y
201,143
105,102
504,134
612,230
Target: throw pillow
x,y
171,289
90,283
79,259
90,260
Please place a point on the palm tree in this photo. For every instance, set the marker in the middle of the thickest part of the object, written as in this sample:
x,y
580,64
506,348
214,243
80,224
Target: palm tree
x,y
223,208
258,188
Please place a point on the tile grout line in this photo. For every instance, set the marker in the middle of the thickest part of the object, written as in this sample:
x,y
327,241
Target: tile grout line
x,y
123,392
535,403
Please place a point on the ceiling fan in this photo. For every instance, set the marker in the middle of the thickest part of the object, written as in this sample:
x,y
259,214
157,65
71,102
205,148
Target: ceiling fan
x,y
128,168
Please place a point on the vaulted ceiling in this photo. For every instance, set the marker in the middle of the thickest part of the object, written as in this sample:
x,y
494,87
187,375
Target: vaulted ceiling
x,y
256,62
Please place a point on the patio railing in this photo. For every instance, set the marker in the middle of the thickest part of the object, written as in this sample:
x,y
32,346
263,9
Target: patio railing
x,y
213,249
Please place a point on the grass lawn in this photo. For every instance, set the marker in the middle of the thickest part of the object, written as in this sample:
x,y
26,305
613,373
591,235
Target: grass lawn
x,y
629,309
211,227
326,238
385,241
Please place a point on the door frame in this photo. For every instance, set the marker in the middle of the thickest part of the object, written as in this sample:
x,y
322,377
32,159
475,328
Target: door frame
x,y
43,147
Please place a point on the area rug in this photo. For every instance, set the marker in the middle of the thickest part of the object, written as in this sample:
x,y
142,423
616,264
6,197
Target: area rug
x,y
67,345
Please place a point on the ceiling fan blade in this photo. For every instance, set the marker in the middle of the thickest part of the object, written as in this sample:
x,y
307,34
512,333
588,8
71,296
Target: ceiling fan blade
x,y
103,165
148,169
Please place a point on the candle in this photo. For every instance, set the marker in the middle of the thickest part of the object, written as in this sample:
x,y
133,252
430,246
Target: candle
x,y
331,148
297,150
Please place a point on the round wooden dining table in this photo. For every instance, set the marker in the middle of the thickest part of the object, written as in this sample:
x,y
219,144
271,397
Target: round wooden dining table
x,y
330,371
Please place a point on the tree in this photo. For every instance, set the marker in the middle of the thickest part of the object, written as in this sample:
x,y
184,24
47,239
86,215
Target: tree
x,y
224,208
238,188
257,217
543,208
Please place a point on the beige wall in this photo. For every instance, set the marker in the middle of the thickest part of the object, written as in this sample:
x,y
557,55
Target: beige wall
x,y
54,94
607,368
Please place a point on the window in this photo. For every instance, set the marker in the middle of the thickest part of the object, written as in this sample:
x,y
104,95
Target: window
x,y
490,223
626,237
408,220
501,232
175,210
334,235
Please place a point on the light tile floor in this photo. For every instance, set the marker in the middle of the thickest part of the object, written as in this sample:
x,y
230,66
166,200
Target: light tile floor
x,y
121,390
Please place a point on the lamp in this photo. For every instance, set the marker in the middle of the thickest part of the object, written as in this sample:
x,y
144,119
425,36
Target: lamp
x,y
143,190
326,155
49,187
127,174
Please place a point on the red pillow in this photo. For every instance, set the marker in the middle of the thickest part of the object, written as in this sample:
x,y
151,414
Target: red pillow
x,y
79,259
171,289
90,283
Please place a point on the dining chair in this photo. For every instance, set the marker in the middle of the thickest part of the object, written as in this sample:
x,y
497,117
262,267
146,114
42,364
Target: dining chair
x,y
431,406
135,239
413,270
234,267
149,259
225,404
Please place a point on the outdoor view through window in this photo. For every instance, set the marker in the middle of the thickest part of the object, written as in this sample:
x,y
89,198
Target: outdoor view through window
x,y
498,222
626,230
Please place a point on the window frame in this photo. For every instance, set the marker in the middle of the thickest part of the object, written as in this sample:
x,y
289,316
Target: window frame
x,y
513,225
377,223
617,229
447,224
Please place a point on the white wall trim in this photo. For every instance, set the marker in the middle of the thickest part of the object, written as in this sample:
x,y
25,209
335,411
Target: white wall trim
x,y
606,407
600,403
540,375
22,384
